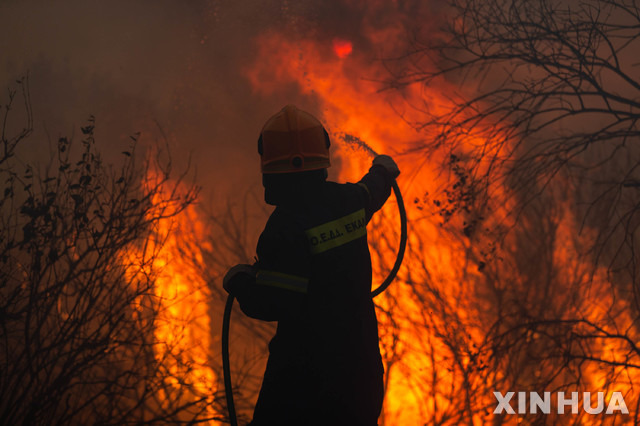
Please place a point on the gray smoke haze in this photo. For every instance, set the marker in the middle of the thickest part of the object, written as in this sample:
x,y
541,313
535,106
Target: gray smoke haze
x,y
135,64
177,73
176,66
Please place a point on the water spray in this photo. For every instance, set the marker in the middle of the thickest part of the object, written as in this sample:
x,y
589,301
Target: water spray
x,y
226,319
359,143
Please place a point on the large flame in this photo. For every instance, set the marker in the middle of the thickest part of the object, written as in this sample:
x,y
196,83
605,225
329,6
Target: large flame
x,y
182,331
438,329
438,369
354,106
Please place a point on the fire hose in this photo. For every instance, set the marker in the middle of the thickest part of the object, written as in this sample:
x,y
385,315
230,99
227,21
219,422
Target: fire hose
x,y
226,319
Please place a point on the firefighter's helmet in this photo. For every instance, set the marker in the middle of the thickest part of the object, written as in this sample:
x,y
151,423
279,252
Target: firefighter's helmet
x,y
293,141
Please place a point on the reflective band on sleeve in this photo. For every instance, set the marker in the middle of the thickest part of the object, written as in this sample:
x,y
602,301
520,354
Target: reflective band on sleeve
x,y
280,280
337,232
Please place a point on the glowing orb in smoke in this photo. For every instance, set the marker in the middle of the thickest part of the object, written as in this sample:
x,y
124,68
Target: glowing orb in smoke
x,y
342,48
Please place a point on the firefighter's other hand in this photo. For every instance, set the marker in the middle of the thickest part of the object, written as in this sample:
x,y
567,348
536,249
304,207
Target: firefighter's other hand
x,y
388,163
229,281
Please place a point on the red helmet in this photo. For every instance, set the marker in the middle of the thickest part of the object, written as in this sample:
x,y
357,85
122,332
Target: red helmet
x,y
293,141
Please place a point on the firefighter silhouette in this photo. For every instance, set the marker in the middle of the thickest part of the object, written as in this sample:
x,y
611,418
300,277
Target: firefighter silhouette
x,y
313,276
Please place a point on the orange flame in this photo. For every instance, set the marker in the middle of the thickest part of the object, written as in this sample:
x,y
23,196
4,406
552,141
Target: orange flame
x,y
342,48
354,106
184,329
173,256
426,377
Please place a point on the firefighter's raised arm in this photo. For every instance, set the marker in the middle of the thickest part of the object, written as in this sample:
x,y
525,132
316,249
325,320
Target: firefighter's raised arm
x,y
377,183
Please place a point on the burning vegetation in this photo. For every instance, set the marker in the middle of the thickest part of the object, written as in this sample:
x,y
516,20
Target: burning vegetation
x,y
93,327
516,129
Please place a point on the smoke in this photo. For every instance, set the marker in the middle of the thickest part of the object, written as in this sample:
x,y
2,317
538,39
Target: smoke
x,y
139,66
203,76
142,67
177,72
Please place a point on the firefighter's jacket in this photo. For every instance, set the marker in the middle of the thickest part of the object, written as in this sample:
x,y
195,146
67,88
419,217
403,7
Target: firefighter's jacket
x,y
314,278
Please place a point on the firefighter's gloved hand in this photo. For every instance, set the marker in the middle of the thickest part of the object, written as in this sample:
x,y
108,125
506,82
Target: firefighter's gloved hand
x,y
388,163
237,276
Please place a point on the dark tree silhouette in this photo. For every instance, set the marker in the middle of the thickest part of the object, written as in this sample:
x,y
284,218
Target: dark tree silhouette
x,y
540,132
78,308
550,88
